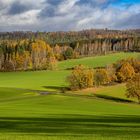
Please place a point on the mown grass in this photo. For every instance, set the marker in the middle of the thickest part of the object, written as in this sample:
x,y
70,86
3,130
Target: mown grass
x,y
27,115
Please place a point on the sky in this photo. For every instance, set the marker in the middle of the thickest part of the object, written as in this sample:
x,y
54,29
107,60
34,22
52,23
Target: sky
x,y
67,15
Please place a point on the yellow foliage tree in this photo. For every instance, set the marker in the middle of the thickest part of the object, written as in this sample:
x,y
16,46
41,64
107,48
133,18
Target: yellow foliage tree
x,y
101,77
81,78
125,72
133,87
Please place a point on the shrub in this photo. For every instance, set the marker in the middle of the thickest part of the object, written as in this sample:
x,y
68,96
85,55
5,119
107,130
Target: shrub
x,y
111,71
125,72
101,77
135,63
81,78
133,87
68,54
8,66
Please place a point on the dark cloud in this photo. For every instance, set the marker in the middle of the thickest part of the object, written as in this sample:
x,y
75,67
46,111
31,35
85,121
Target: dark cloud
x,y
18,8
54,2
48,11
2,6
51,9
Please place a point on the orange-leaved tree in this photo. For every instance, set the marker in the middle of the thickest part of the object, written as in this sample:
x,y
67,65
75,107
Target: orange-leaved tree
x,y
125,72
81,78
133,87
101,77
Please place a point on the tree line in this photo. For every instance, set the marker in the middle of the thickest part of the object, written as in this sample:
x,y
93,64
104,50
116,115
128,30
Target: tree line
x,y
26,55
42,50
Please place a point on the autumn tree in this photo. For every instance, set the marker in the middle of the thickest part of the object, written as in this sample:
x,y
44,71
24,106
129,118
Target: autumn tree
x,y
38,54
111,72
42,56
68,54
135,63
125,72
81,78
51,63
58,52
1,58
133,87
101,77
8,66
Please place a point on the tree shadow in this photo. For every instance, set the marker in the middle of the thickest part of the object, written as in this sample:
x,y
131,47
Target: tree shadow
x,y
116,99
73,125
57,88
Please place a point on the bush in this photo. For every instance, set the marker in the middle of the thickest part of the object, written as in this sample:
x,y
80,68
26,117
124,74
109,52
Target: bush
x,y
133,87
68,54
111,71
101,77
81,78
8,66
135,63
125,72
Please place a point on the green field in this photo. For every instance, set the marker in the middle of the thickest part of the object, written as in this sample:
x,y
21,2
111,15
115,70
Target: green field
x,y
97,61
25,114
39,80
113,91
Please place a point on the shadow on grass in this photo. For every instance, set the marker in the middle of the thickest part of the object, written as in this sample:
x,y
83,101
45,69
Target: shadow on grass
x,y
116,99
57,88
73,125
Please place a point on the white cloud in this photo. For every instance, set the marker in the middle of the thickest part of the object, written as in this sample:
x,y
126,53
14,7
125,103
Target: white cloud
x,y
66,15
67,6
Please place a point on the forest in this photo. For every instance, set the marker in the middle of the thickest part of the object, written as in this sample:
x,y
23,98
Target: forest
x,y
42,50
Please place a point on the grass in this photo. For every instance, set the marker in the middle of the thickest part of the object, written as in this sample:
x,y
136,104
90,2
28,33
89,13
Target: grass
x,y
98,61
113,93
116,91
28,115
41,80
66,117
13,94
38,80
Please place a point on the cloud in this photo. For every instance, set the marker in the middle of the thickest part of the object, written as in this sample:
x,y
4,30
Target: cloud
x,y
54,15
17,8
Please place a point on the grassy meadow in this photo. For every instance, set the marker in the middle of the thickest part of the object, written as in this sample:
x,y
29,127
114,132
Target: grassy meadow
x,y
97,61
96,114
